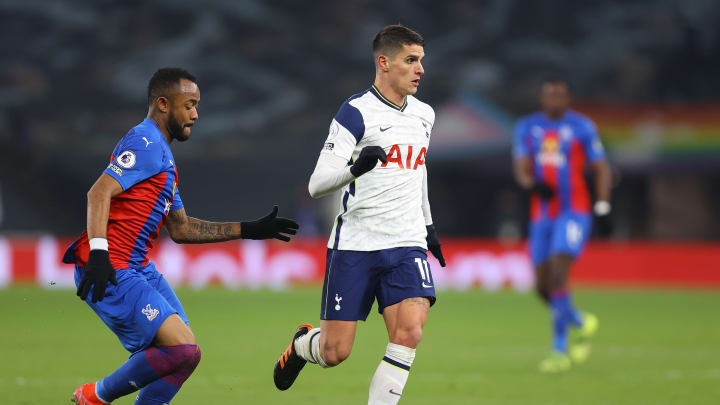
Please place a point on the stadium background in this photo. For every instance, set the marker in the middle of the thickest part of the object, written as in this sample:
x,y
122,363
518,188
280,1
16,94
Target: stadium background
x,y
272,74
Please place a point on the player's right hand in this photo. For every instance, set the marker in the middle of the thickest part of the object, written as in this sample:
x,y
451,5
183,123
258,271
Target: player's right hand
x,y
367,160
543,190
98,272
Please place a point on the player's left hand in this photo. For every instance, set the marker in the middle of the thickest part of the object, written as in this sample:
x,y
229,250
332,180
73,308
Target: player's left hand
x,y
434,244
269,227
603,222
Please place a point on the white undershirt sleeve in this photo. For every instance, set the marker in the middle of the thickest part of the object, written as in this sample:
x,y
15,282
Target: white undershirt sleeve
x,y
426,201
331,173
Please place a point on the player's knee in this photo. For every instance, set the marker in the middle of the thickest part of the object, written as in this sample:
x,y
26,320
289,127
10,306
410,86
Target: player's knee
x,y
185,359
193,359
174,332
408,336
334,355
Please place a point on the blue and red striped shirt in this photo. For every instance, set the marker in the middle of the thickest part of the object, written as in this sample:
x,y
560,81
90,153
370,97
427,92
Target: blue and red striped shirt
x,y
143,164
559,150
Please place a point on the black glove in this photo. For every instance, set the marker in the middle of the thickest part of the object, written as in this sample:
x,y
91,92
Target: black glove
x,y
268,227
434,244
604,225
543,190
98,272
367,160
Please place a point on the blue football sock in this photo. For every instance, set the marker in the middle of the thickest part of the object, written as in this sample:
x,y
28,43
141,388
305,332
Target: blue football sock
x,y
574,315
558,306
131,376
157,393
175,363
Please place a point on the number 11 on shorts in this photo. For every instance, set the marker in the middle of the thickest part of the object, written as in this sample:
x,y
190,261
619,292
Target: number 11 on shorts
x,y
424,268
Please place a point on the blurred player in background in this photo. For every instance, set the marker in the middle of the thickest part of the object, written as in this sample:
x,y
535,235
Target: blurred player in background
x,y
375,152
127,206
551,150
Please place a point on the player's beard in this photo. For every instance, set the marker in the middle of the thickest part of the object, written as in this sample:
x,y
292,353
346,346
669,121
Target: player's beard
x,y
177,131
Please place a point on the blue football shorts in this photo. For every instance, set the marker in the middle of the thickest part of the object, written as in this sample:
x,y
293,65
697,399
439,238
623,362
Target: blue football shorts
x,y
566,234
136,307
354,279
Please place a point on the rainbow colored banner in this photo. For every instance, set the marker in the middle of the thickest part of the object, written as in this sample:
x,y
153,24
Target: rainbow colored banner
x,y
657,131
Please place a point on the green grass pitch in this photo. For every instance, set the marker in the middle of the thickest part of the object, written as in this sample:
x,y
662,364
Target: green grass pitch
x,y
653,347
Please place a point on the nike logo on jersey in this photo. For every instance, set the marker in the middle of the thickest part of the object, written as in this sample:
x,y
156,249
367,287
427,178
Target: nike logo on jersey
x,y
394,393
385,129
147,143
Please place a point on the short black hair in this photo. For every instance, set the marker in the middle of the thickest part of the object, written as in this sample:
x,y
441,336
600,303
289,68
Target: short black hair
x,y
391,39
164,79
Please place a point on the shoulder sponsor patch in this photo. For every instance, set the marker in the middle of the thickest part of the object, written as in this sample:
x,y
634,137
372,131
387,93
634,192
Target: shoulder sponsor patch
x,y
126,159
329,146
115,169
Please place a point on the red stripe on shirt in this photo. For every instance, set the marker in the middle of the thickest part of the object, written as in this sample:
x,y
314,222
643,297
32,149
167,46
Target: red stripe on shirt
x,y
535,207
579,195
129,212
550,176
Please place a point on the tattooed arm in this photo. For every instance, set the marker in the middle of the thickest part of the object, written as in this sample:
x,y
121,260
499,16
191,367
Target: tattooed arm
x,y
184,229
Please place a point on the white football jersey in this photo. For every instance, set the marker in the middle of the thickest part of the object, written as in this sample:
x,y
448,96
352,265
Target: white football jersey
x,y
381,209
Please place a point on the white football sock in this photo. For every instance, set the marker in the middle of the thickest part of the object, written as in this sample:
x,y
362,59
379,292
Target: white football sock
x,y
391,375
307,347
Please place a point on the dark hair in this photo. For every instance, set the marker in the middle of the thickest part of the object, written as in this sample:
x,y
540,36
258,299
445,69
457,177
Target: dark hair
x,y
391,39
164,79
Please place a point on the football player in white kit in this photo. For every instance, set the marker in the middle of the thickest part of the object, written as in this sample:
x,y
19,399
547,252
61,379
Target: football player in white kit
x,y
375,152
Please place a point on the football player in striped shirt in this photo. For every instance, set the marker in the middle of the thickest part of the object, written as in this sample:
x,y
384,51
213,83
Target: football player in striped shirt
x,y
552,148
127,206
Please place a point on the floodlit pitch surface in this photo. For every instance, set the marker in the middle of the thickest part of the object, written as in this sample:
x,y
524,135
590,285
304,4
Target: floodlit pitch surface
x,y
653,347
